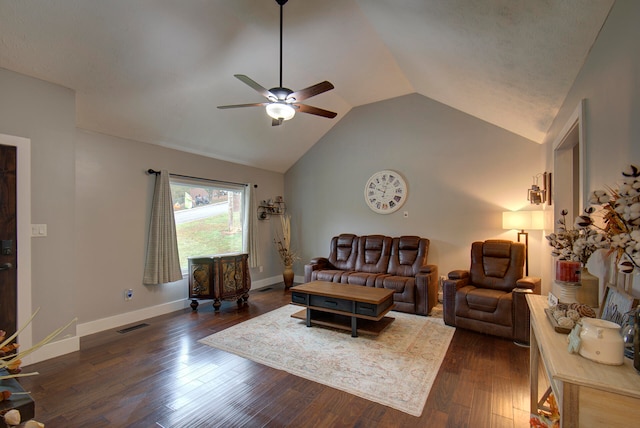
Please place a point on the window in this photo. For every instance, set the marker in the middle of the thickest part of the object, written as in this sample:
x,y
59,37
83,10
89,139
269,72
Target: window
x,y
209,218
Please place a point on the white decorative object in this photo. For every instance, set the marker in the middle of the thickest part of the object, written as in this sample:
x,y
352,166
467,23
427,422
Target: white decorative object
x,y
600,341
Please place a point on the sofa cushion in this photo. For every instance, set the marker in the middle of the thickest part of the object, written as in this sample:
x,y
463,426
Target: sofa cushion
x,y
373,254
404,291
484,304
363,278
344,251
329,275
408,255
494,265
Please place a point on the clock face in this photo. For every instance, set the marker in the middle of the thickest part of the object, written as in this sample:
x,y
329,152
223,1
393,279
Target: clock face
x,y
385,192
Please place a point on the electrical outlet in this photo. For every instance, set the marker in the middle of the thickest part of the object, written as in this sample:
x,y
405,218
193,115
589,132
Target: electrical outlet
x,y
128,294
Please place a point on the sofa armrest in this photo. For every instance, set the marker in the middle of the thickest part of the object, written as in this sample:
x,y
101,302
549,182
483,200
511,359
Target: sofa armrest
x,y
317,263
429,269
521,315
457,280
458,274
426,289
530,282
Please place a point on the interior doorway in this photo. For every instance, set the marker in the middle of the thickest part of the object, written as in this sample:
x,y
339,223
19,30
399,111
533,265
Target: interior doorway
x,y
23,234
569,167
8,240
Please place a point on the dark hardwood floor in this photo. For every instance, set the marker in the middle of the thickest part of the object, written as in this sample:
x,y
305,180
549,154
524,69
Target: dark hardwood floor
x,y
159,376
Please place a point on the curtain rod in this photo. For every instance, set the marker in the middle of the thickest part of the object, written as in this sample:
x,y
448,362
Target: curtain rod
x,y
151,171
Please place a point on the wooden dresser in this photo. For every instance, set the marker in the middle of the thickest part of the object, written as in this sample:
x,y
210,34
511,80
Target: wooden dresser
x,y
589,394
219,277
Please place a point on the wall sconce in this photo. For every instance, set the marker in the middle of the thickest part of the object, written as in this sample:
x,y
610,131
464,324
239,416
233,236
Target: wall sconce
x,y
537,195
521,220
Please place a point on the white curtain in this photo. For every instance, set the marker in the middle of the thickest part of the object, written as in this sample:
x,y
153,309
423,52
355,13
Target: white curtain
x,y
163,262
251,223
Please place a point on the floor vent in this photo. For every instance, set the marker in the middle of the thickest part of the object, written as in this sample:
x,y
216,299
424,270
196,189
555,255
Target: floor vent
x,y
265,289
133,327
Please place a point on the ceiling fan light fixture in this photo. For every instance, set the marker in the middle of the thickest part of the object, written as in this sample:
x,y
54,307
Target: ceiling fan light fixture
x,y
281,110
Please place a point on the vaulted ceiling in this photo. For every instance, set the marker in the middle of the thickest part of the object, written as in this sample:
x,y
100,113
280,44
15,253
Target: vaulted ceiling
x,y
155,70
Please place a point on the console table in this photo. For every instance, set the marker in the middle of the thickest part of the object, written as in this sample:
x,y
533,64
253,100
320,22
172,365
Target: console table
x,y
219,277
588,394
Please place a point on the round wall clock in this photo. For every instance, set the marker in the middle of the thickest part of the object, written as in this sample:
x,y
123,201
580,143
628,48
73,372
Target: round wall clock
x,y
385,192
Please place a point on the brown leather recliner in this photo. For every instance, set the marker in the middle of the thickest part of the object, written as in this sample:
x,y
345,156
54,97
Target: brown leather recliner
x,y
490,297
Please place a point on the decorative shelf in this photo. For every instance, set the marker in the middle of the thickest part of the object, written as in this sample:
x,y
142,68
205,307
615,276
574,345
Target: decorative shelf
x,y
268,208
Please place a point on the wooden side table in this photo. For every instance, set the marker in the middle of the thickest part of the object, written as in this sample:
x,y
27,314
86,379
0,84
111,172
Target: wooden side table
x,y
219,277
588,394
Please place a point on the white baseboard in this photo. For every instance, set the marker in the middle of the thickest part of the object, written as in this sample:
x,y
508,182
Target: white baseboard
x,y
53,349
262,283
72,344
119,320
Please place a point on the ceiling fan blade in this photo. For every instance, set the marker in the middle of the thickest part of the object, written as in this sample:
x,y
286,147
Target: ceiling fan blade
x,y
311,91
244,105
276,122
315,110
256,86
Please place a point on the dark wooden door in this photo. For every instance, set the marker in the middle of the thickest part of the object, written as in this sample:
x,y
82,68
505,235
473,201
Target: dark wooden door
x,y
8,241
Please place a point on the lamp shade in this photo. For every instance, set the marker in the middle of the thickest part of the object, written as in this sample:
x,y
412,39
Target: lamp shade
x,y
521,220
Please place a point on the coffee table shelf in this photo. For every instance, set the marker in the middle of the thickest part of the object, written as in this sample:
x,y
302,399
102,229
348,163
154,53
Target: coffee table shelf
x,y
343,322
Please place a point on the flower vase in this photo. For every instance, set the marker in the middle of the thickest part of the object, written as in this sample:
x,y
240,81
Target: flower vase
x,y
567,280
589,290
287,276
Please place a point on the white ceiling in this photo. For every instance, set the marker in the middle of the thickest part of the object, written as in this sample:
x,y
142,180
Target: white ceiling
x,y
155,70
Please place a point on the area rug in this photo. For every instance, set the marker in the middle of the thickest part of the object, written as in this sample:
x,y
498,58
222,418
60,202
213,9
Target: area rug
x,y
396,368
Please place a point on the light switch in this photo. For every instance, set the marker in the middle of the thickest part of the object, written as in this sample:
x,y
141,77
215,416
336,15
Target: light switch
x,y
38,230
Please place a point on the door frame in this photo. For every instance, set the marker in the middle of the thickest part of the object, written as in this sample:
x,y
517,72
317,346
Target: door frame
x,y
573,167
23,222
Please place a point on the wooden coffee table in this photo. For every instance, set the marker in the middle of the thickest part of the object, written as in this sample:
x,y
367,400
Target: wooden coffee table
x,y
349,307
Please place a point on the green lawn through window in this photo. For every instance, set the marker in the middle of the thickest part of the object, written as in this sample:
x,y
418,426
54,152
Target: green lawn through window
x,y
208,237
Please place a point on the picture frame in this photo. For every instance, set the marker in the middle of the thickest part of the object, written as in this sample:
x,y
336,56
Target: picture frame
x,y
547,183
616,304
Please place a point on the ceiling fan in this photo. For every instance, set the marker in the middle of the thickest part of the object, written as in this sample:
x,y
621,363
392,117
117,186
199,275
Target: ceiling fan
x,y
283,102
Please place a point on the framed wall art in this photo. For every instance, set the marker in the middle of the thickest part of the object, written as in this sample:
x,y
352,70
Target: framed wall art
x,y
616,304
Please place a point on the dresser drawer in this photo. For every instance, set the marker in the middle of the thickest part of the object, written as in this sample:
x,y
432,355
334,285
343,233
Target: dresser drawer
x,y
371,309
300,298
330,303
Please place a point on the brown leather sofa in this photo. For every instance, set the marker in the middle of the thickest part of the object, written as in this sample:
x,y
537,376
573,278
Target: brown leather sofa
x,y
380,261
490,297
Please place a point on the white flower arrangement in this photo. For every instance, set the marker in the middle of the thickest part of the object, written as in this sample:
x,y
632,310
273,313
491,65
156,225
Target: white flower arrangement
x,y
580,242
622,219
